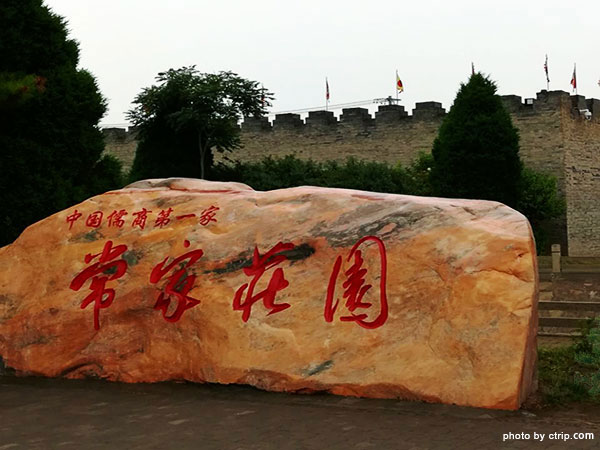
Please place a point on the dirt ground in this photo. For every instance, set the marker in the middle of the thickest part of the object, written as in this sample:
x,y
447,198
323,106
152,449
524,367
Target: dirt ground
x,y
40,413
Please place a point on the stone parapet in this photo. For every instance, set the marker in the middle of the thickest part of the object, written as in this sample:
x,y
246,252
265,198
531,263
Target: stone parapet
x,y
356,116
321,118
559,135
512,103
287,121
390,114
428,111
256,124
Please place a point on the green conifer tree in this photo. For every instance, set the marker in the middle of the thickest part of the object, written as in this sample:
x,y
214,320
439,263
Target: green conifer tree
x,y
50,144
476,153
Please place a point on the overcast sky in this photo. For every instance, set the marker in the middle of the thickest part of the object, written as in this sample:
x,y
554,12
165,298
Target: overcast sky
x,y
291,46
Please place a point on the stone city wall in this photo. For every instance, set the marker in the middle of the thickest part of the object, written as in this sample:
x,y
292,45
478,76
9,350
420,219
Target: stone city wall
x,y
582,179
122,144
560,135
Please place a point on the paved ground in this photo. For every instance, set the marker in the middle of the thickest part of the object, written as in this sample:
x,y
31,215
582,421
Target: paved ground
x,y
61,414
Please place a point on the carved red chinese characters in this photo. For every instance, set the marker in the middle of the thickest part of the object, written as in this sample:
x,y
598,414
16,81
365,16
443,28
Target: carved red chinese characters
x,y
102,271
94,220
260,264
163,218
115,219
179,285
355,287
208,215
71,218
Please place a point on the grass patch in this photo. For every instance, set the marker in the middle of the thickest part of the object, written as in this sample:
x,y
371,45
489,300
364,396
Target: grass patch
x,y
557,376
572,373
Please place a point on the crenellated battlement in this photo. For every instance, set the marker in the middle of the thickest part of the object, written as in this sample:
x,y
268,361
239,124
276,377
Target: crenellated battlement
x,y
559,134
389,115
357,117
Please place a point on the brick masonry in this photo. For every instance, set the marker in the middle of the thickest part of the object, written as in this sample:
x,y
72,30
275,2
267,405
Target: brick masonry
x,y
560,134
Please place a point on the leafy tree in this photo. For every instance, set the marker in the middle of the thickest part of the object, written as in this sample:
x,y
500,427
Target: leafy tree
x,y
187,116
476,153
50,145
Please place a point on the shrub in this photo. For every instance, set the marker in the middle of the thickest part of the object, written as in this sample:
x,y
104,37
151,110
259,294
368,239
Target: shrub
x,y
539,201
588,355
417,179
277,173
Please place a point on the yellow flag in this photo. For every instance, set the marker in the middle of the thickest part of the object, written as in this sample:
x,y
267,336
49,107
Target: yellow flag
x,y
399,86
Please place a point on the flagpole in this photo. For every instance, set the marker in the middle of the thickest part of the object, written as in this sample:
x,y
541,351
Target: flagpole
x,y
575,72
396,84
547,78
326,94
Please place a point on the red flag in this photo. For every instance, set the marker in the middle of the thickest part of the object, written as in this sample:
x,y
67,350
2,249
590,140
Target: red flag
x,y
546,69
326,89
574,78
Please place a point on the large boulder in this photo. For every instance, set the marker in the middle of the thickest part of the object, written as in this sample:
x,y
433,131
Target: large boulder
x,y
302,290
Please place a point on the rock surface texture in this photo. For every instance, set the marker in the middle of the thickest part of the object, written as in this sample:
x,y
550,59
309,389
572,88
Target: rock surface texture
x,y
305,289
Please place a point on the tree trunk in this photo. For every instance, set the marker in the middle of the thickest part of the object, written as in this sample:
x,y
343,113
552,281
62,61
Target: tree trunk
x,y
201,155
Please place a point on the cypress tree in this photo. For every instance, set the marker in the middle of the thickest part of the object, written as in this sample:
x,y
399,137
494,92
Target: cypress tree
x,y
50,144
476,153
